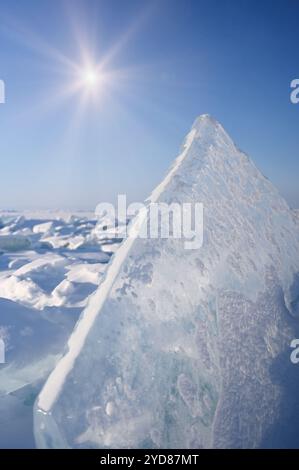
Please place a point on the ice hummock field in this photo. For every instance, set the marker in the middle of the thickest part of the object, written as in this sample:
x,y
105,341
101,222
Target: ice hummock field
x,y
189,348
50,263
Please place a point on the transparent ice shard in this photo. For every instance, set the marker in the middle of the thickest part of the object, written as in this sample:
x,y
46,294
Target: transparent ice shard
x,y
185,348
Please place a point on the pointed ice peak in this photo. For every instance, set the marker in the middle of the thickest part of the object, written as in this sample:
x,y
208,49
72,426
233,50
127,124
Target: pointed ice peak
x,y
204,119
206,123
207,139
209,129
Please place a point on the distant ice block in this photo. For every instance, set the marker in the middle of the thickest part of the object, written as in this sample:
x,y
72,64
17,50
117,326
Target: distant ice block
x,y
189,348
14,243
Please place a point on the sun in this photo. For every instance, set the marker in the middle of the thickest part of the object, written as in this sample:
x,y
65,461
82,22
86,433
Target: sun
x,y
90,78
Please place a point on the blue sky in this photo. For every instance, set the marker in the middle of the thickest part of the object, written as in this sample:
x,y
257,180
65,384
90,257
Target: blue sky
x,y
163,63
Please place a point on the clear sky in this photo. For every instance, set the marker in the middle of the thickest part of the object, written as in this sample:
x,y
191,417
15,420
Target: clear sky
x,y
159,64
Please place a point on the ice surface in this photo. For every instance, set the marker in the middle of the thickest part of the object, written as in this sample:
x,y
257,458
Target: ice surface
x,y
189,348
43,289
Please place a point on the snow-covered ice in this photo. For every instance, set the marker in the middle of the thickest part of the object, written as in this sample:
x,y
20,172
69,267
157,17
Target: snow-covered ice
x,y
189,348
50,263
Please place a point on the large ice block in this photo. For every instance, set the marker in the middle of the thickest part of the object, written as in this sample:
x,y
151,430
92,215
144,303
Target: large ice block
x,y
189,348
